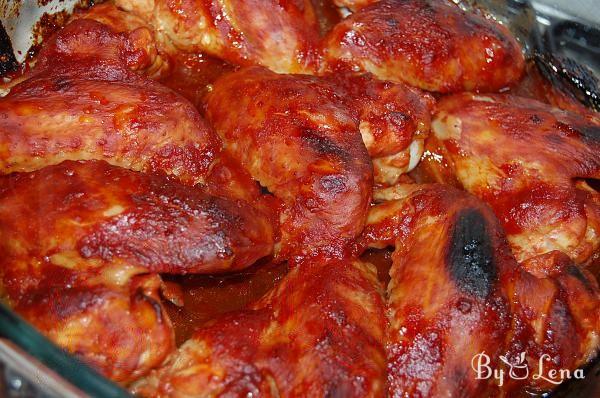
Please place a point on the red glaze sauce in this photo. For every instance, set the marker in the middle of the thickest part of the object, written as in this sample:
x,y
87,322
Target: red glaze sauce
x,y
207,296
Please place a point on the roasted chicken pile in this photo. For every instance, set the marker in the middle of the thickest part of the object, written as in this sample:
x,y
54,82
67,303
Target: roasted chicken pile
x,y
153,140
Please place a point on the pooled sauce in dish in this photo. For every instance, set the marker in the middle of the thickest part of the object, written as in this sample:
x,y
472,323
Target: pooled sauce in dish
x,y
207,296
192,74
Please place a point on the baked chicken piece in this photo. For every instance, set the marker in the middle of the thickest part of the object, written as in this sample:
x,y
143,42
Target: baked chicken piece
x,y
83,100
299,137
83,241
529,161
433,45
319,333
456,291
279,34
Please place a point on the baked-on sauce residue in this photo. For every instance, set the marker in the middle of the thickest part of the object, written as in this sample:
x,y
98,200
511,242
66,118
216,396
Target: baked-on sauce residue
x,y
208,296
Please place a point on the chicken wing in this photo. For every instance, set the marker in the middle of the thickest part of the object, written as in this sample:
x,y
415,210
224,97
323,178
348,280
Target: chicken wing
x,y
279,34
302,146
319,333
529,162
472,298
299,137
82,242
428,44
83,101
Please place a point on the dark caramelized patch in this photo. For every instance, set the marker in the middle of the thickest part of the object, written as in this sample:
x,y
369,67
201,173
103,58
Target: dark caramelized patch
x,y
569,76
470,258
575,272
323,145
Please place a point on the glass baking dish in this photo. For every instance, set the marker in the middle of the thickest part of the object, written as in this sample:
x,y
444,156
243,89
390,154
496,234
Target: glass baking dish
x,y
85,380
570,27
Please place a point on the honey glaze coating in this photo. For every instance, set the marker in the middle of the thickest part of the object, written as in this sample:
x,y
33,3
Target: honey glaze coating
x,y
428,44
302,146
456,291
83,101
300,137
279,34
530,162
319,333
84,241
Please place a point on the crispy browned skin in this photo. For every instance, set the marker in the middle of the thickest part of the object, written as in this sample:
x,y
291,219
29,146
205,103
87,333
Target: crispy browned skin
x,y
278,34
299,137
428,44
81,239
84,101
457,291
319,333
528,161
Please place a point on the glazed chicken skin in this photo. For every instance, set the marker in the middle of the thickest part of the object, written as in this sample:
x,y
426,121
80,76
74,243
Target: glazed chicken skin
x,y
303,147
110,180
159,62
393,120
279,34
319,333
428,44
472,297
529,162
85,241
83,101
299,137
89,210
